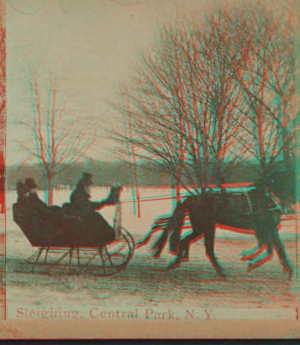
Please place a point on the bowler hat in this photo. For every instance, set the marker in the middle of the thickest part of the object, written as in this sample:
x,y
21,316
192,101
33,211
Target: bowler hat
x,y
30,183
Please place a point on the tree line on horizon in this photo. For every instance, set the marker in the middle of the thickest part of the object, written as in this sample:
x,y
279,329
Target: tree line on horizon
x,y
115,172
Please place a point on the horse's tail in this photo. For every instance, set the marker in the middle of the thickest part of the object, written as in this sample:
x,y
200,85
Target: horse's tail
x,y
158,224
174,223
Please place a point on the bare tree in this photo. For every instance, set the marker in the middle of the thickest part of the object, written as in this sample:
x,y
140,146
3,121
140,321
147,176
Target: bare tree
x,y
266,39
58,135
209,95
184,107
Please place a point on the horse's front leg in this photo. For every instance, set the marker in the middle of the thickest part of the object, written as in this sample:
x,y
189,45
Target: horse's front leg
x,y
265,247
209,241
283,257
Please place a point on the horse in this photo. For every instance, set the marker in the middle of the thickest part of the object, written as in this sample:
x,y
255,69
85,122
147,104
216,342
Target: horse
x,y
257,211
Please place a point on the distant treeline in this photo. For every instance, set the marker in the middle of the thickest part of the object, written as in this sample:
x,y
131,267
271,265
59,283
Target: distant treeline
x,y
109,173
104,174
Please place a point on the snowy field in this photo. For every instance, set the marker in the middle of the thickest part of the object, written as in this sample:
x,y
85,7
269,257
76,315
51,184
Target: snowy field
x,y
193,285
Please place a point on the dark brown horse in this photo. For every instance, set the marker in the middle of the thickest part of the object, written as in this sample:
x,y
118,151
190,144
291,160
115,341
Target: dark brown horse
x,y
256,211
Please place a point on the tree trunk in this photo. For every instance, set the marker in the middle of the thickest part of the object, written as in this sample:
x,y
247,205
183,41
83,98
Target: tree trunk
x,y
177,186
287,160
175,191
50,196
49,199
286,150
217,177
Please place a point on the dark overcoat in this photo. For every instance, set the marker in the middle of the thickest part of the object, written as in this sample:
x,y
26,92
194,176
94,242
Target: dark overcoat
x,y
96,226
45,222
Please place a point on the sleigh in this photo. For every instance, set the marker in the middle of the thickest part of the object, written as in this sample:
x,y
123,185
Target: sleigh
x,y
70,249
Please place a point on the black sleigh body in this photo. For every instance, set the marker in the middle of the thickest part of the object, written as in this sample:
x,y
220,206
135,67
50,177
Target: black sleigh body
x,y
65,243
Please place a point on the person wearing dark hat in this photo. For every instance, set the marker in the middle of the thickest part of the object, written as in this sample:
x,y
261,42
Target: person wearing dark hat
x,y
21,191
81,205
79,199
52,214
33,199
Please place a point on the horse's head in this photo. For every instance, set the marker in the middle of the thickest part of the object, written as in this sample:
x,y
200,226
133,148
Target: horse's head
x,y
282,183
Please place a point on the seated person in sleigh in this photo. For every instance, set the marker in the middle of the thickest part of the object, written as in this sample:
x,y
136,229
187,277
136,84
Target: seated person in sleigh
x,y
76,223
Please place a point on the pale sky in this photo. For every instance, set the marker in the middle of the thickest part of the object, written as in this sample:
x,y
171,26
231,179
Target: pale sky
x,y
95,42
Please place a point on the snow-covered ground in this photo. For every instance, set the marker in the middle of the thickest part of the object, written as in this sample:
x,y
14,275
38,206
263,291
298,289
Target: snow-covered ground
x,y
193,285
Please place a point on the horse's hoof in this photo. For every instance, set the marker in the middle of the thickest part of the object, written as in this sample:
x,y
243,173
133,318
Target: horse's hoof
x,y
173,265
252,266
138,244
288,270
222,275
155,254
245,258
184,259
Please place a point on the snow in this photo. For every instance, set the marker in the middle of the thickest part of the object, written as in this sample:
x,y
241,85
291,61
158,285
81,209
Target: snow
x,y
140,285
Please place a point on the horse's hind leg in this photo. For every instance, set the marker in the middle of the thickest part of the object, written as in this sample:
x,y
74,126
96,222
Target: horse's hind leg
x,y
185,253
176,262
209,241
186,242
182,252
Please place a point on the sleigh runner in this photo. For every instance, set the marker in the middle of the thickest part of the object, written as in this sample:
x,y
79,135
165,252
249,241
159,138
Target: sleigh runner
x,y
70,249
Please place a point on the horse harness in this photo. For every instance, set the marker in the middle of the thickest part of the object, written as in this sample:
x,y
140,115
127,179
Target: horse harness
x,y
253,201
